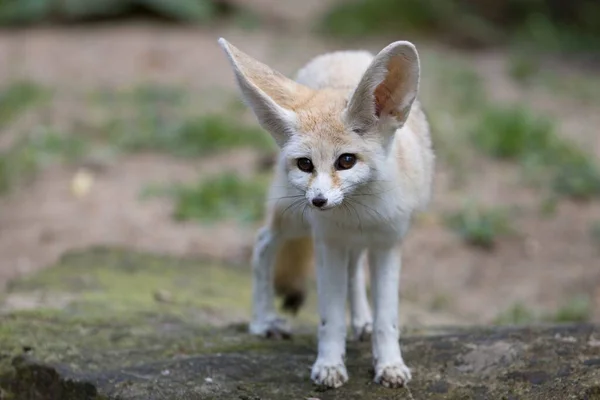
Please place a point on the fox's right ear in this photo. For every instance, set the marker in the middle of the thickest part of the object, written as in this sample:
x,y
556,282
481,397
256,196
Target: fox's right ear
x,y
387,89
271,96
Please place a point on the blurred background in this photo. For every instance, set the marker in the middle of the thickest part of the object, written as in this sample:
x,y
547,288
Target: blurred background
x,y
120,125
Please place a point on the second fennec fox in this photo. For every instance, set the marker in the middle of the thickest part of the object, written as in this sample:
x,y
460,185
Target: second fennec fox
x,y
355,162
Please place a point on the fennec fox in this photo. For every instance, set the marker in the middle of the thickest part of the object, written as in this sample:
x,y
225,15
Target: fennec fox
x,y
355,162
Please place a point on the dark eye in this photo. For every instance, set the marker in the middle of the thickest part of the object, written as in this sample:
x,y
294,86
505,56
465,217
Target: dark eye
x,y
305,165
345,161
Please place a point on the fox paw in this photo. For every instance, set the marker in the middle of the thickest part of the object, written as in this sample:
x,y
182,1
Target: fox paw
x,y
271,328
329,375
392,375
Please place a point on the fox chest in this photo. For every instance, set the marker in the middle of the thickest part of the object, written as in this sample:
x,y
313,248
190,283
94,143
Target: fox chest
x,y
361,233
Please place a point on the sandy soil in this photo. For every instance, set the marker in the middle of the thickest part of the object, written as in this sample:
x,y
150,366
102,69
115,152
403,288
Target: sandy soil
x,y
551,260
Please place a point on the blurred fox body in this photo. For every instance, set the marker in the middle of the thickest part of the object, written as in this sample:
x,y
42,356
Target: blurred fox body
x,y
355,163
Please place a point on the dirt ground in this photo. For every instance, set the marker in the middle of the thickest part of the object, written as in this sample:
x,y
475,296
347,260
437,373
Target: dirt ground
x,y
550,261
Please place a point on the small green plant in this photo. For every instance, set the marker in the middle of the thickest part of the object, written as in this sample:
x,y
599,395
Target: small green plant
x,y
579,180
15,12
154,118
192,137
512,132
51,146
226,196
480,227
18,163
531,25
16,98
577,309
440,302
595,231
517,314
41,148
466,86
523,68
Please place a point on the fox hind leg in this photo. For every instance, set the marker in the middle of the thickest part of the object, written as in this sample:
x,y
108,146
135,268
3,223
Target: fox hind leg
x,y
265,321
360,311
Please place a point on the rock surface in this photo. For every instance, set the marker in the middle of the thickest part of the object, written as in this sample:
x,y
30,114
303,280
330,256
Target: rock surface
x,y
111,324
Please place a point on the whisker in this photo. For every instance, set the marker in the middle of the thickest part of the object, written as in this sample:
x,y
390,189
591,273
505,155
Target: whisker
x,y
286,197
291,206
364,183
377,213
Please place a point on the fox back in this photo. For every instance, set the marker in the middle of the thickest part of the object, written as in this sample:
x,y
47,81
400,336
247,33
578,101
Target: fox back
x,y
355,152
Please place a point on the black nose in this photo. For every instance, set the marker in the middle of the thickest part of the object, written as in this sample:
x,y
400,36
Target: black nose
x,y
319,201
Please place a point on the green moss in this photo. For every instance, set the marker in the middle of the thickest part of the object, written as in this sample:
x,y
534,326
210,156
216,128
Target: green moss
x,y
101,294
129,283
94,348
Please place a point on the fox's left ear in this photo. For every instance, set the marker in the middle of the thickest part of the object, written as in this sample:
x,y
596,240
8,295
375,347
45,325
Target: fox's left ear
x,y
273,97
387,89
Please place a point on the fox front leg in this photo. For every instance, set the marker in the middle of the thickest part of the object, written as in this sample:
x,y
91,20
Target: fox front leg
x,y
390,369
332,275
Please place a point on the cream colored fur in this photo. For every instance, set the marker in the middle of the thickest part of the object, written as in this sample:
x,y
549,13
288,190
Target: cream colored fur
x,y
361,109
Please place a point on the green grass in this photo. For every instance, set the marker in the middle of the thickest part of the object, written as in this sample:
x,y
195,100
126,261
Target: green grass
x,y
37,150
595,232
226,196
18,163
145,118
156,118
531,25
523,68
526,68
517,314
440,302
16,98
480,227
18,12
196,136
576,309
389,17
516,133
577,179
466,86
512,132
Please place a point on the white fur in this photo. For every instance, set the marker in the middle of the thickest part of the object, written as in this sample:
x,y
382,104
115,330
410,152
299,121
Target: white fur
x,y
370,211
332,276
360,312
337,69
390,369
264,319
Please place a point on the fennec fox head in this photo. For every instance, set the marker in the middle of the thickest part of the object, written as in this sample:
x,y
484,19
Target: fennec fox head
x,y
333,140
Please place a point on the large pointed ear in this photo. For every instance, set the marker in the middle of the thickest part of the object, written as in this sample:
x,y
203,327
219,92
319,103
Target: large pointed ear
x,y
387,89
272,97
